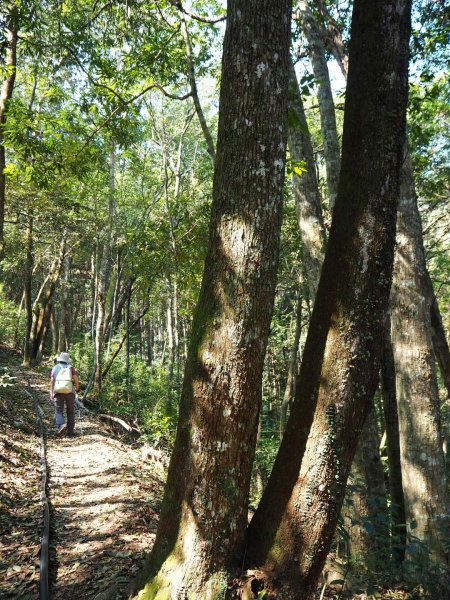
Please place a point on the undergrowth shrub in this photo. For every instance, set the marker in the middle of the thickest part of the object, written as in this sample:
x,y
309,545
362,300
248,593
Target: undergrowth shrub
x,y
266,451
12,322
144,396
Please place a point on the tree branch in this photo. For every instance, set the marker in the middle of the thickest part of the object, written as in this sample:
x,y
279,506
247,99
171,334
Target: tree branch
x,y
196,17
194,93
130,101
122,341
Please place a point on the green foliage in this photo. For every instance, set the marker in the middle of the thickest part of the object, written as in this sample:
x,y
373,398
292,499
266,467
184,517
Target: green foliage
x,y
266,452
82,355
12,325
297,167
144,396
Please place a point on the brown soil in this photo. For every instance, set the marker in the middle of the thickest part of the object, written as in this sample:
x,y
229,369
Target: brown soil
x,y
104,500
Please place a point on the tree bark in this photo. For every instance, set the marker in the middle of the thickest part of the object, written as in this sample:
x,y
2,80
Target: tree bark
x,y
204,513
12,22
291,531
328,127
423,465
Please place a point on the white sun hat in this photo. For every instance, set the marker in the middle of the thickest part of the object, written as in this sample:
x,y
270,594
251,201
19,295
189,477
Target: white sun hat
x,y
63,357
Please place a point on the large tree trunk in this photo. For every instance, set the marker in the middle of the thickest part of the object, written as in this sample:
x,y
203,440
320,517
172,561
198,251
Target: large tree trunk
x,y
291,531
204,513
366,505
422,458
328,127
6,91
439,341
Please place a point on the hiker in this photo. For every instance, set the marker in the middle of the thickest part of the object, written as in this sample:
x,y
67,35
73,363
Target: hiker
x,y
63,385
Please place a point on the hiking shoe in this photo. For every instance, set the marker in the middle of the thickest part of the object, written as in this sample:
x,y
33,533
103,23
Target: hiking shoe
x,y
62,430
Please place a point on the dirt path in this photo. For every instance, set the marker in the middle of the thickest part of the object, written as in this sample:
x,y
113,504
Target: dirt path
x,y
104,507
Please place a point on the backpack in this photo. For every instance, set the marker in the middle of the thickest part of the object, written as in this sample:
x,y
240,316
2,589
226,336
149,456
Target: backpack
x,y
63,380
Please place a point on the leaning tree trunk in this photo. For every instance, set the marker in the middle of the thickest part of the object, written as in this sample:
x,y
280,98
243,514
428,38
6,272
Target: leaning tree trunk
x,y
368,541
328,127
292,529
368,494
204,513
442,354
6,91
423,465
44,331
42,305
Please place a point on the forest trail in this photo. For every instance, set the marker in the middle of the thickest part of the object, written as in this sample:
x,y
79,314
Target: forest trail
x,y
104,503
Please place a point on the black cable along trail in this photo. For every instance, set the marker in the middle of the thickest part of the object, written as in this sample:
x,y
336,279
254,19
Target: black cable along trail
x,y
43,580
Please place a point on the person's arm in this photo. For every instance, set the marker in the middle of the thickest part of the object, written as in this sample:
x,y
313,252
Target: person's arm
x,y
52,387
76,381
